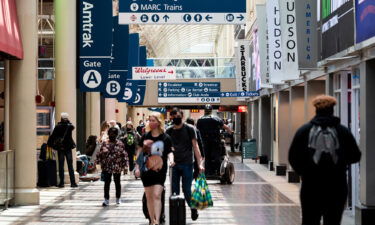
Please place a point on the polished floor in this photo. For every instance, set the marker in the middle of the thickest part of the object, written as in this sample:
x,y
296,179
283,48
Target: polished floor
x,y
253,199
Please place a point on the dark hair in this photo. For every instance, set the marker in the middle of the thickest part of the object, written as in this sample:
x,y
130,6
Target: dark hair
x,y
190,121
176,110
113,129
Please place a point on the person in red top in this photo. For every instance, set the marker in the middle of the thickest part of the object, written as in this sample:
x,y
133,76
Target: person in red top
x,y
113,159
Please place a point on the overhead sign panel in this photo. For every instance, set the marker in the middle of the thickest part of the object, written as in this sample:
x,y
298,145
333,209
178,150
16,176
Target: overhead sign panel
x,y
154,73
116,79
95,40
189,92
239,94
182,12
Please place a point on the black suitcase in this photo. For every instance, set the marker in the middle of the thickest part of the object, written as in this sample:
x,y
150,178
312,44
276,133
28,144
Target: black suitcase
x,y
145,210
47,173
177,211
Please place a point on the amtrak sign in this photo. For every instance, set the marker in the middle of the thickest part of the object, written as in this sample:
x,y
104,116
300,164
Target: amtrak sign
x,y
95,40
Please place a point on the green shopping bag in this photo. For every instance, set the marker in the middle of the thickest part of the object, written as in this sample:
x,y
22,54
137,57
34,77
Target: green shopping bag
x,y
201,197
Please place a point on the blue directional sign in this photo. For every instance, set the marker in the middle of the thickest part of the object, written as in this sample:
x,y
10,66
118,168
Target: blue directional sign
x,y
189,92
141,84
128,93
239,94
95,40
116,78
183,12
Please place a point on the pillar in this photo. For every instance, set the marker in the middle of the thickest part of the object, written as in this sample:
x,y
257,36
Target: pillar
x,y
65,64
121,114
313,88
255,123
282,133
296,120
22,85
365,212
329,84
248,120
93,114
265,127
110,109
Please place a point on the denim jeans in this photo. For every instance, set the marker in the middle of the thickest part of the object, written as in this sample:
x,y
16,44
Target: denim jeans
x,y
186,172
85,160
62,154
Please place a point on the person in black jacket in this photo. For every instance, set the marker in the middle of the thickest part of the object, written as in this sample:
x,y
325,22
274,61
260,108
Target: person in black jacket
x,y
63,131
320,153
200,144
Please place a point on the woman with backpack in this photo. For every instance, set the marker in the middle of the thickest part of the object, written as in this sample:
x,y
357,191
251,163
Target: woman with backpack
x,y
156,149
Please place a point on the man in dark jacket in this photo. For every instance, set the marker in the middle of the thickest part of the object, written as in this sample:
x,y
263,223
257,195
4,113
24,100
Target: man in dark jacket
x,y
63,132
320,153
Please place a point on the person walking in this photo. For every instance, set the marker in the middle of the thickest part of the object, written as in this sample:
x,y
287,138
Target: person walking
x,y
61,140
130,140
104,132
184,142
113,159
200,145
152,164
209,127
320,153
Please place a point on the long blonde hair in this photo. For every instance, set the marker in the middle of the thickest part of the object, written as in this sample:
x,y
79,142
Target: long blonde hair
x,y
159,117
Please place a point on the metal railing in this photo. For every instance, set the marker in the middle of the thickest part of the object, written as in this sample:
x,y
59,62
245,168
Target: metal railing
x,y
6,177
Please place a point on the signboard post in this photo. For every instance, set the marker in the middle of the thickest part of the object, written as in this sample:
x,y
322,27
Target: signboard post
x,y
182,12
189,92
95,40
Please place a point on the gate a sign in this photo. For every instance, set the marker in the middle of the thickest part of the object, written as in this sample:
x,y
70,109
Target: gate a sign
x,y
95,40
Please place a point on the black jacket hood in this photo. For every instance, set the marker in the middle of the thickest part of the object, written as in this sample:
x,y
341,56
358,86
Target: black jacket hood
x,y
325,121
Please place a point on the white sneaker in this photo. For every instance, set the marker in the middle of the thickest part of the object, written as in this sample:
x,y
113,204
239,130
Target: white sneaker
x,y
105,202
118,201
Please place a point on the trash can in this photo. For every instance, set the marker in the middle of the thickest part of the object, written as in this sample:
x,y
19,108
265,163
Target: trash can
x,y
249,149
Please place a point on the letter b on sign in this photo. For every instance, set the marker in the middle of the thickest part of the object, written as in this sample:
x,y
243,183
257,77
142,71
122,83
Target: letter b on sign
x,y
113,88
92,79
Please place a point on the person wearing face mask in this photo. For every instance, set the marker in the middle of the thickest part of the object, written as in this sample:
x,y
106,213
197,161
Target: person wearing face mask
x,y
184,142
130,140
113,159
155,150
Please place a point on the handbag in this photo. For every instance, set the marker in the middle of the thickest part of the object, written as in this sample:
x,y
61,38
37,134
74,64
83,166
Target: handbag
x,y
58,142
201,197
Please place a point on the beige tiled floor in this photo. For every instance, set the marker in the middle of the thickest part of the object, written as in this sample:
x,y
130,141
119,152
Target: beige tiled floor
x,y
257,197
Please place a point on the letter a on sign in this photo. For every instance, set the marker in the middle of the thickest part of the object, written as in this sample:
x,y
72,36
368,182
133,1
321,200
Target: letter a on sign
x,y
92,78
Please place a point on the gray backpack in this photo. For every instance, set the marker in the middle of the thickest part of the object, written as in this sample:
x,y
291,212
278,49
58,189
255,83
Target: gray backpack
x,y
324,141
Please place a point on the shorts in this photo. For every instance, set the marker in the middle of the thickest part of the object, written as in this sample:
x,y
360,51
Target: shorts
x,y
150,178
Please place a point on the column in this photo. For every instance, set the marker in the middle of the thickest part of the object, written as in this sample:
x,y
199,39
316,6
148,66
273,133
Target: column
x,y
313,88
121,114
265,129
93,114
282,133
65,65
110,109
248,120
296,120
365,212
22,85
255,120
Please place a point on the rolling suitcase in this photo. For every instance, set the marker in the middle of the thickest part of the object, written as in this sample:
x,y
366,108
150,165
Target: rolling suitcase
x,y
177,211
47,173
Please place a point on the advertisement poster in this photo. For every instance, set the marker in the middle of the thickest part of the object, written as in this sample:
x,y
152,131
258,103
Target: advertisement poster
x,y
365,17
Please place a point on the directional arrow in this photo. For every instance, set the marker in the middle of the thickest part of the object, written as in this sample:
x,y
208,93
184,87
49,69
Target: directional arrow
x,y
241,17
208,17
166,18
